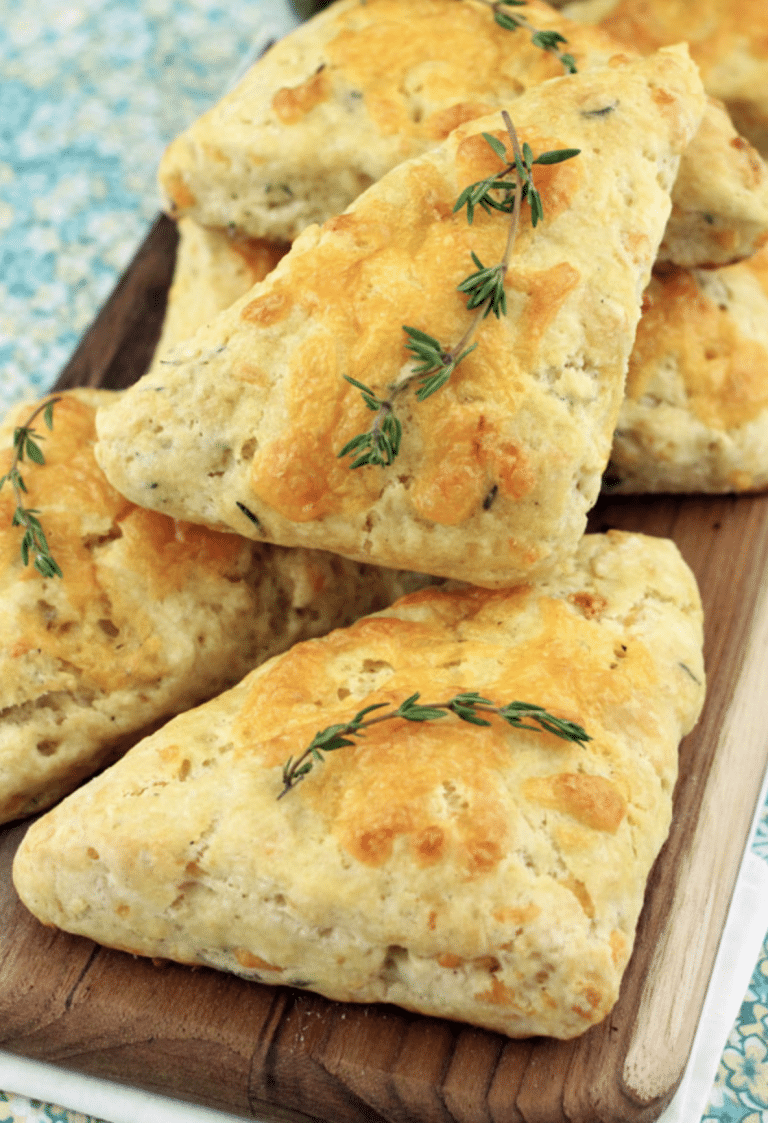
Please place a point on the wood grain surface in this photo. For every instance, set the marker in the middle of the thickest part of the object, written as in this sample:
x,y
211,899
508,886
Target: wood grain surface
x,y
280,1054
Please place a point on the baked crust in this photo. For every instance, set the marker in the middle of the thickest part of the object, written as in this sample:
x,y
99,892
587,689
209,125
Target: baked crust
x,y
695,414
491,875
720,198
727,39
213,269
381,79
378,78
498,469
151,616
694,418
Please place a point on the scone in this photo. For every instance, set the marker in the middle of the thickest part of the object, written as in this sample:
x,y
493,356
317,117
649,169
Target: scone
x,y
341,100
720,198
489,874
151,616
363,86
726,37
695,415
496,470
213,268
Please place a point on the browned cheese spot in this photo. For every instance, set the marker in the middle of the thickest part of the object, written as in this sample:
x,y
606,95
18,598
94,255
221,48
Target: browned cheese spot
x,y
253,962
723,371
593,801
180,196
292,103
260,255
589,604
267,309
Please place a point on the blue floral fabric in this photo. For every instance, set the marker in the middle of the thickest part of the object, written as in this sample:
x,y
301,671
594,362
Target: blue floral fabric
x,y
740,1093
17,1109
90,94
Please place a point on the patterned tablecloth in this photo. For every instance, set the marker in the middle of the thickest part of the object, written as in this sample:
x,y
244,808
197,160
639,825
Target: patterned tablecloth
x,y
90,93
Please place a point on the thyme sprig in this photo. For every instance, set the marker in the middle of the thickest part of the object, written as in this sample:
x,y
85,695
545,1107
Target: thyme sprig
x,y
34,544
497,193
545,40
433,362
468,707
381,443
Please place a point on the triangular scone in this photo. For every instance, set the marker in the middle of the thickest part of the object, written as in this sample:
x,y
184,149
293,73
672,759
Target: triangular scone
x,y
150,617
213,269
720,198
363,86
726,37
695,416
496,470
488,874
341,100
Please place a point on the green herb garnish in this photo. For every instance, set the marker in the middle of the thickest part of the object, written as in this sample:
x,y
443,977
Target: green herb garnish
x,y
34,544
545,40
468,707
433,362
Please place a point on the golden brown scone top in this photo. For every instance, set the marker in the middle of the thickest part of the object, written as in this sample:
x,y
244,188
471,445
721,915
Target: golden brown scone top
x,y
489,874
213,268
386,80
497,469
79,652
78,504
728,40
152,615
382,78
695,416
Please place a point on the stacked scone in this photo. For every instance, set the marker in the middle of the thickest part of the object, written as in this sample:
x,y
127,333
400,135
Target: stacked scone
x,y
489,869
151,616
696,411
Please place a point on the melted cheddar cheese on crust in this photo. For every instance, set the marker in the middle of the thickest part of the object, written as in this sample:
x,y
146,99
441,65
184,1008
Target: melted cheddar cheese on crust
x,y
695,415
381,78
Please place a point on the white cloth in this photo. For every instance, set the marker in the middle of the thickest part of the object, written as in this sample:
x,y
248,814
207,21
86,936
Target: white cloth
x,y
103,1099
737,955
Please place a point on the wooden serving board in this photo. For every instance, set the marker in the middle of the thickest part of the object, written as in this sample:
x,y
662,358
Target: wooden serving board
x,y
281,1054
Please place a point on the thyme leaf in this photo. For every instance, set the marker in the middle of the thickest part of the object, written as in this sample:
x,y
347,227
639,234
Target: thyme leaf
x,y
545,40
34,544
435,365
486,287
468,706
499,192
381,443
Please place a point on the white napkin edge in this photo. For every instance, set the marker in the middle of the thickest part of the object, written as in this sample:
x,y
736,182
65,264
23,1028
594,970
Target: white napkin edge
x,y
739,952
98,1098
